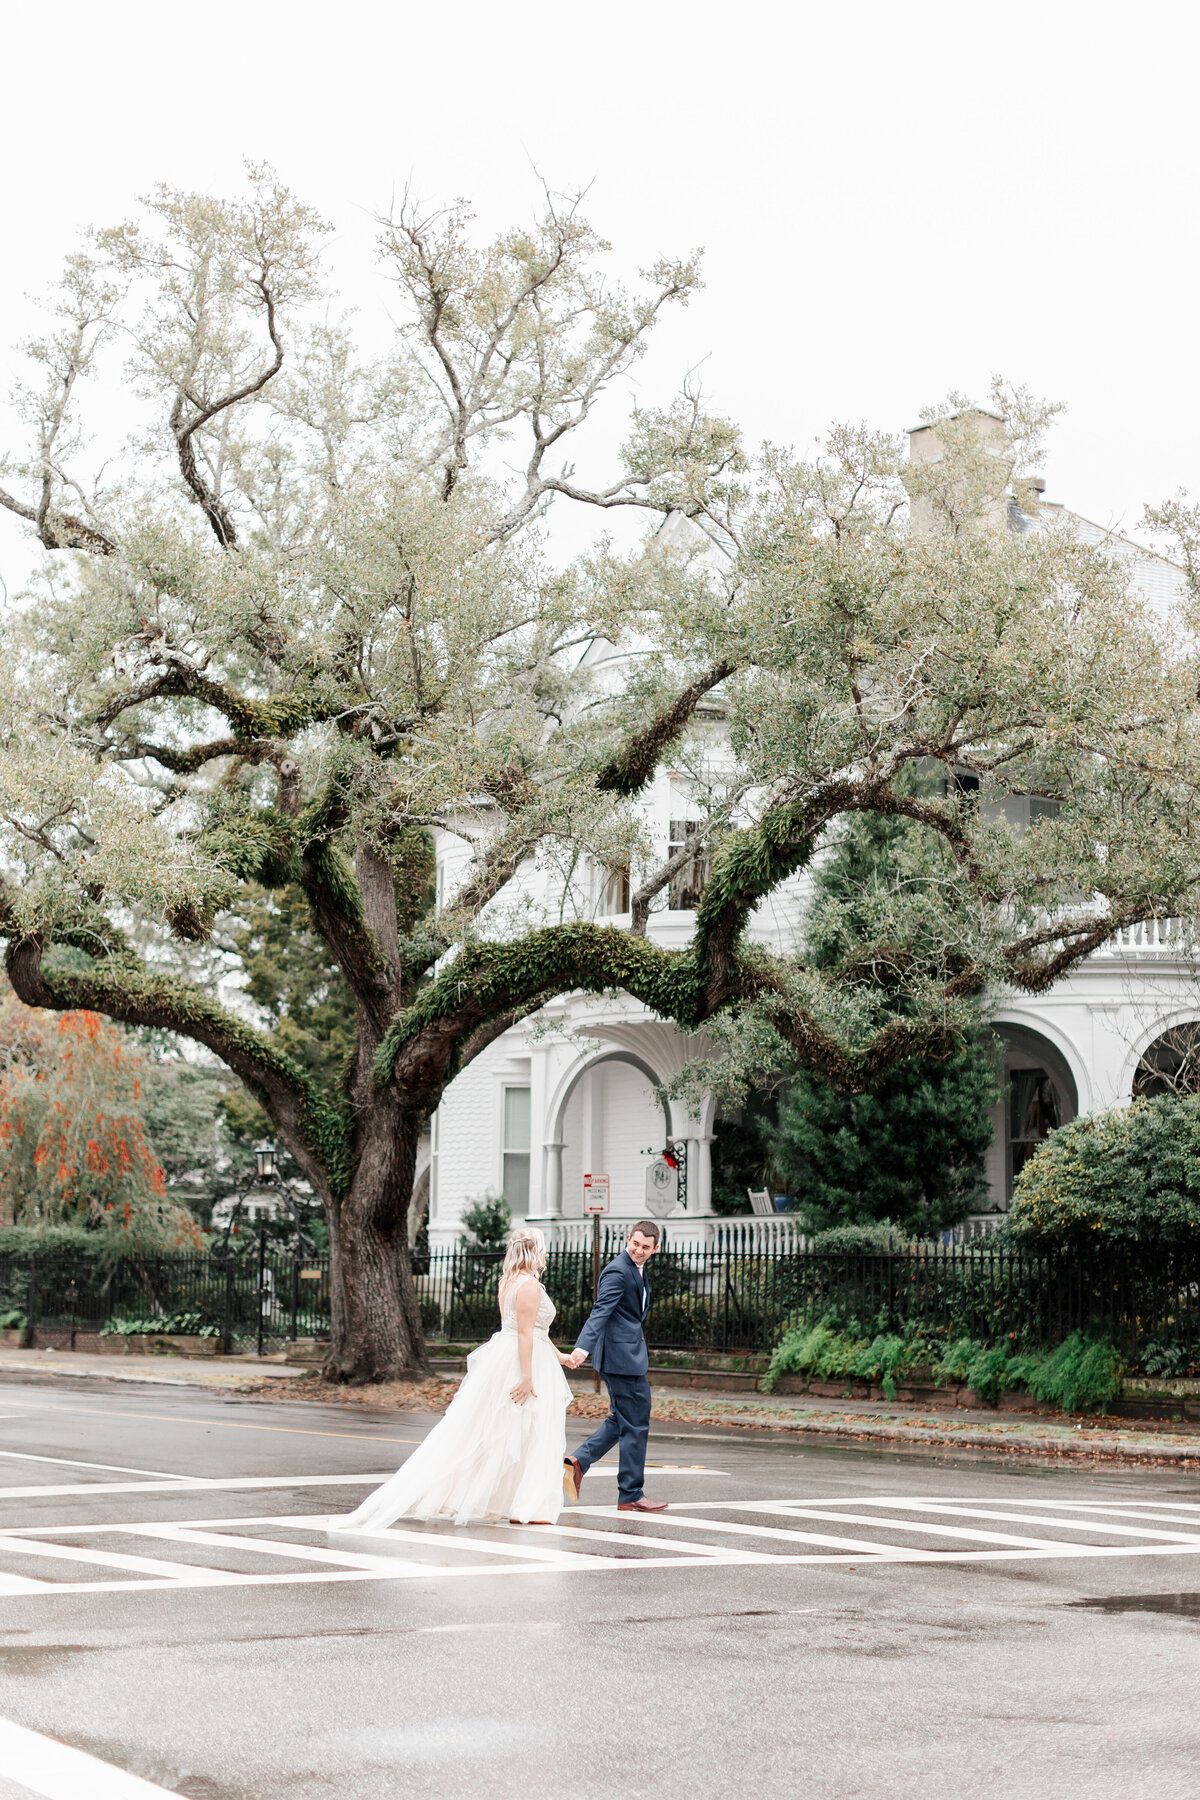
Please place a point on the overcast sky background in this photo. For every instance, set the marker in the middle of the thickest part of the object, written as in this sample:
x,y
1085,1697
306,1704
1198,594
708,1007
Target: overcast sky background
x,y
894,201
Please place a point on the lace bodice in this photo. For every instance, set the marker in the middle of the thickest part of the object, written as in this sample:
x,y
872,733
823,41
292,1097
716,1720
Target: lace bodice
x,y
545,1312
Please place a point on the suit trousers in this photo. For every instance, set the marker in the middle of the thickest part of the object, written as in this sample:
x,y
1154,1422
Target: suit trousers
x,y
627,1424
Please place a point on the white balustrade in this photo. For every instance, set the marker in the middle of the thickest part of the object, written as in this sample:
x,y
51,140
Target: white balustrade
x,y
746,1236
1150,937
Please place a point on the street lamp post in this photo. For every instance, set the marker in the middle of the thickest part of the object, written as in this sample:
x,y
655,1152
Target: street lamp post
x,y
266,1174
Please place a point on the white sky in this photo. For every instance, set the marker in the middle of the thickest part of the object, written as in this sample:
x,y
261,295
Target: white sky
x,y
894,199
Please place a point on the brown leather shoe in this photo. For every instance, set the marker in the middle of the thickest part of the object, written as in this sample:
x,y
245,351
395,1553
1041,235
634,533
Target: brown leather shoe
x,y
572,1479
641,1506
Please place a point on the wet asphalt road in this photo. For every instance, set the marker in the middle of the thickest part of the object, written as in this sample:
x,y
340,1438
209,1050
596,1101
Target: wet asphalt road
x,y
674,1674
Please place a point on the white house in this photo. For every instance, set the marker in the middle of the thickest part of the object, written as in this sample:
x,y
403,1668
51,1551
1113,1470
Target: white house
x,y
573,1092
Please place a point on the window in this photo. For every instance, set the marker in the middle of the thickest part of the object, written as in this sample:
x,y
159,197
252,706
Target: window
x,y
515,1153
688,882
1033,1114
1171,1065
614,892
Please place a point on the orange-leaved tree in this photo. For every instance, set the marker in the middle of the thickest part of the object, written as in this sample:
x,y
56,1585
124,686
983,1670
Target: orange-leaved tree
x,y
73,1146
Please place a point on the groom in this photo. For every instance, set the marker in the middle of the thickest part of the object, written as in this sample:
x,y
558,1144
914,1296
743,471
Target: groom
x,y
614,1339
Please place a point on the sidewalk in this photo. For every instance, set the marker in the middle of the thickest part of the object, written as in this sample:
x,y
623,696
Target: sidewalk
x,y
171,1371
877,1422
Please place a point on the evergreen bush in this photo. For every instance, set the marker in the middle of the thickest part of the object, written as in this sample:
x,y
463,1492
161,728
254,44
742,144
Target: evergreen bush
x,y
1130,1176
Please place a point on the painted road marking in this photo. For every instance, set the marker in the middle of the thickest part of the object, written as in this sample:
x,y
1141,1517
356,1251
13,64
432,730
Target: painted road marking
x,y
776,1533
59,1772
194,1482
70,1462
975,1512
695,1534
197,1423
185,1482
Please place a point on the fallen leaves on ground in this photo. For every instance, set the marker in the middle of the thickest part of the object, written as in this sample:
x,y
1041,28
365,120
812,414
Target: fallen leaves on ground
x,y
393,1396
1103,1438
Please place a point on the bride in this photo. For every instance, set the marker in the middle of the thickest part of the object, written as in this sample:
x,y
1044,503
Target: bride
x,y
498,1452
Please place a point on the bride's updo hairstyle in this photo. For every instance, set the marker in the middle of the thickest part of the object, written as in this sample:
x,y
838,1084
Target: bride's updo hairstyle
x,y
525,1253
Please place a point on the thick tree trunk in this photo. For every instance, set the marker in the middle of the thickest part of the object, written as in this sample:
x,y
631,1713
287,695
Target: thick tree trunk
x,y
377,1332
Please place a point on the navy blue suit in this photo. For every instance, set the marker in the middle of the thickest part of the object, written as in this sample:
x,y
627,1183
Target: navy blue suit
x,y
614,1338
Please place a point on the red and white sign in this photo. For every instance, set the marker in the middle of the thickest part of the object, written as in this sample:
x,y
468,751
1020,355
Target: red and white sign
x,y
595,1194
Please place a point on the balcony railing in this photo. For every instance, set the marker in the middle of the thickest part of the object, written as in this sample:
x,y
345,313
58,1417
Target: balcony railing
x,y
1153,937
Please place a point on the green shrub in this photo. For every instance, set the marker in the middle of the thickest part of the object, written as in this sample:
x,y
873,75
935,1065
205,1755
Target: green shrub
x,y
826,1353
177,1324
1082,1375
51,1240
431,1315
679,1321
1129,1176
487,1223
473,1314
13,1319
1162,1356
871,1239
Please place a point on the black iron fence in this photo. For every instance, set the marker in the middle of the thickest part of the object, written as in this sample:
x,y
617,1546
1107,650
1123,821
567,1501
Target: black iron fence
x,y
706,1299
257,1300
726,1301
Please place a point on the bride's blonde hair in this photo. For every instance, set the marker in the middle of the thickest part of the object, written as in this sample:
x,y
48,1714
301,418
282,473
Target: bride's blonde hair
x,y
525,1253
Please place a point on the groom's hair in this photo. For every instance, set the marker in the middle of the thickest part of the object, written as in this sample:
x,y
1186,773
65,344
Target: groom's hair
x,y
647,1227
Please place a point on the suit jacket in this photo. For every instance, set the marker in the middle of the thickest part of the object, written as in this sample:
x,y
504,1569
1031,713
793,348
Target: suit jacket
x,y
612,1334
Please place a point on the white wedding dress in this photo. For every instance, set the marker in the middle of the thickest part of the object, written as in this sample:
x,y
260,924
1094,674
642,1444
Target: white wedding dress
x,y
488,1458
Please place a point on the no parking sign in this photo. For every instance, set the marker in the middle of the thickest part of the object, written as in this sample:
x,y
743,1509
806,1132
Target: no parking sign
x,y
595,1195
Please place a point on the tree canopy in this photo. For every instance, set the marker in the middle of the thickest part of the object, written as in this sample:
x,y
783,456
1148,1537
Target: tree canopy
x,y
308,620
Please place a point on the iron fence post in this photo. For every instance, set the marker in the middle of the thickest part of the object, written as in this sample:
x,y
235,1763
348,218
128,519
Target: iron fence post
x,y
227,1335
262,1283
31,1300
595,1281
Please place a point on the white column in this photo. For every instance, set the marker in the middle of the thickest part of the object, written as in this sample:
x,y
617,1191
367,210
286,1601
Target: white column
x,y
699,1175
703,1176
552,1190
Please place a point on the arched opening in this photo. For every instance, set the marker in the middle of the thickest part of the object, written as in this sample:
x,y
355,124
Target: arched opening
x,y
1039,1094
607,1119
1171,1064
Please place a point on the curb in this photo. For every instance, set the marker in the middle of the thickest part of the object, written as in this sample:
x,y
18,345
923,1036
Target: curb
x,y
998,1443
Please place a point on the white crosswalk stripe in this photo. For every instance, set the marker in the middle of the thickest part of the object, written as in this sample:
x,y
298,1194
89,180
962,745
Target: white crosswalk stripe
x,y
56,1771
131,1555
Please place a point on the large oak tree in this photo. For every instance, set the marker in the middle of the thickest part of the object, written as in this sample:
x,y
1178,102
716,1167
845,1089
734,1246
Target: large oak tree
x,y
313,623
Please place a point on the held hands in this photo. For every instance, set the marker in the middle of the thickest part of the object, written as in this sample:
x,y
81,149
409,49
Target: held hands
x,y
522,1392
576,1358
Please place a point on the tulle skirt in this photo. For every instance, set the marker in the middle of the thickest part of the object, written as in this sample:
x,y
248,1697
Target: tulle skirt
x,y
487,1458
